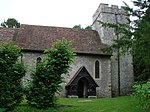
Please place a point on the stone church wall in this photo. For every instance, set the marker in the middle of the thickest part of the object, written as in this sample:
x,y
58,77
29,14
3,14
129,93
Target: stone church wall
x,y
114,15
29,59
104,82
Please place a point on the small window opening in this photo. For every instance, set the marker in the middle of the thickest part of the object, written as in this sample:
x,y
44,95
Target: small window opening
x,y
97,69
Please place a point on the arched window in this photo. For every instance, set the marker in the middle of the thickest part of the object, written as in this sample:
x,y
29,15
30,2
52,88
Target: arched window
x,y
38,61
97,69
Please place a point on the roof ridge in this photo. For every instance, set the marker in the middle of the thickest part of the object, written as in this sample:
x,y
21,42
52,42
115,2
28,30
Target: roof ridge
x,y
23,25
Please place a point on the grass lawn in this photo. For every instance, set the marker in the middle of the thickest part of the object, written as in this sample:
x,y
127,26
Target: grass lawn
x,y
119,104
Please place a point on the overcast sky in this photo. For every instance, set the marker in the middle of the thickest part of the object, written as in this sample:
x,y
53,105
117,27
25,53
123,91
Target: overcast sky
x,y
62,13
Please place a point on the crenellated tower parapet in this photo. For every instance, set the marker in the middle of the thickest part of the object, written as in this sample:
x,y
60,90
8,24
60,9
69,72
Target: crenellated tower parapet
x,y
107,14
104,8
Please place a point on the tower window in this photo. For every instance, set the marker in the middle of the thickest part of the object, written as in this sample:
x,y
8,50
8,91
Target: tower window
x,y
97,69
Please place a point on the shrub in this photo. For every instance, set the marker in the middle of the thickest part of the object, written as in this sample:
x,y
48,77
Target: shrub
x,y
11,73
142,92
47,78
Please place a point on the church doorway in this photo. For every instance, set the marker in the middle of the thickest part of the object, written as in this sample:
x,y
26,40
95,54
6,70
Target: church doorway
x,y
83,88
81,85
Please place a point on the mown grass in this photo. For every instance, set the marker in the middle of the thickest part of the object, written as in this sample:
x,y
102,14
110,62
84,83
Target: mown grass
x,y
119,104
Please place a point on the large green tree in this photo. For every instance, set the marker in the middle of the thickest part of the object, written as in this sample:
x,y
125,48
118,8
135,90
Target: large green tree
x,y
141,49
11,23
11,73
141,42
48,75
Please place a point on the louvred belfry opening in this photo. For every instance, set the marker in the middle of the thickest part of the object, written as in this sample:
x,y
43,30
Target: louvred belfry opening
x,y
82,84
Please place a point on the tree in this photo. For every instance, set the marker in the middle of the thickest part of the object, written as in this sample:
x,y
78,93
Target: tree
x,y
48,75
141,50
141,44
11,23
78,26
11,74
135,38
88,27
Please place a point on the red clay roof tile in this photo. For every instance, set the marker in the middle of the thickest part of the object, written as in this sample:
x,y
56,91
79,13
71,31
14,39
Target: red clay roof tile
x,y
31,37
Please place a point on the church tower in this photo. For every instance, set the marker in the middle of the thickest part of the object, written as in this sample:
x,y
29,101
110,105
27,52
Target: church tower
x,y
122,68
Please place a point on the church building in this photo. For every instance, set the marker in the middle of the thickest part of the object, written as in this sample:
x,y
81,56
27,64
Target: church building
x,y
94,73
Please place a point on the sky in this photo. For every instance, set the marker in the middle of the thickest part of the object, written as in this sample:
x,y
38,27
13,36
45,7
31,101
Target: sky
x,y
60,13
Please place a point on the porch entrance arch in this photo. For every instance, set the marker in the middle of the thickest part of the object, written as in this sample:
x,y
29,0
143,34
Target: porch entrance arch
x,y
81,84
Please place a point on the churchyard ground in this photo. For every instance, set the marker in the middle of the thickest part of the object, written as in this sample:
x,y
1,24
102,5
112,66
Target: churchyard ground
x,y
117,104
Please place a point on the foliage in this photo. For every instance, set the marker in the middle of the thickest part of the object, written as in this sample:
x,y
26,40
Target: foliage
x,y
10,23
88,28
141,48
142,92
11,73
80,27
134,37
123,42
47,77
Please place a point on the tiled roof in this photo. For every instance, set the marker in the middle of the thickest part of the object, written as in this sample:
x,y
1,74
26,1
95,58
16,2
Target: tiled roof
x,y
6,35
31,37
